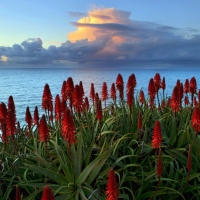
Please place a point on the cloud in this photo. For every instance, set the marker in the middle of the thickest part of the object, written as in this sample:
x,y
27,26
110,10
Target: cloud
x,y
4,58
109,37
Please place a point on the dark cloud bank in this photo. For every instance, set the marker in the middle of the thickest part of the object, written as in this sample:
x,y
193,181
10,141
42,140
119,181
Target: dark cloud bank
x,y
146,43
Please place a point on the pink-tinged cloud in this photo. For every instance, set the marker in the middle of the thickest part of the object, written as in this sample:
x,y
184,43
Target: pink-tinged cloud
x,y
109,37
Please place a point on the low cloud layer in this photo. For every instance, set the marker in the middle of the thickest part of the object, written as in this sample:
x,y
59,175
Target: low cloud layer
x,y
109,37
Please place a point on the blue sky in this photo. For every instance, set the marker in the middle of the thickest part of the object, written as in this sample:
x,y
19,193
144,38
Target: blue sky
x,y
104,33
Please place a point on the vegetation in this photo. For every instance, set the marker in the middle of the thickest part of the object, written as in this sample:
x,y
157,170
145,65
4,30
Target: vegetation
x,y
132,148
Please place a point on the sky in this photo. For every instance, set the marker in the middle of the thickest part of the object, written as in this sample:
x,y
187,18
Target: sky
x,y
106,33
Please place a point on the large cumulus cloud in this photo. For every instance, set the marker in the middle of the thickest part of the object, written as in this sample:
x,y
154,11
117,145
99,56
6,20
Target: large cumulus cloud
x,y
109,36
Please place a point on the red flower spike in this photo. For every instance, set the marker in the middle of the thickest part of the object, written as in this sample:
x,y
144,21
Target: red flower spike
x,y
99,114
193,85
3,112
175,101
92,91
163,85
142,99
129,83
104,93
120,86
58,108
47,194
11,107
86,104
196,120
151,89
11,129
28,118
47,103
140,121
178,83
130,97
112,189
157,81
81,89
36,116
17,193
189,159
63,106
68,128
77,99
159,165
69,89
113,92
43,130
157,136
186,86
63,91
96,98
134,82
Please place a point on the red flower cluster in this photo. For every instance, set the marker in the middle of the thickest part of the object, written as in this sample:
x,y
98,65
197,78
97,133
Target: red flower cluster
x,y
47,194
3,121
157,82
142,98
43,130
81,90
120,86
130,90
131,82
36,116
175,101
112,190
151,91
196,120
47,99
58,108
28,118
186,86
99,114
63,91
193,85
86,104
77,99
157,136
11,119
163,85
92,92
11,107
68,128
69,87
113,92
104,93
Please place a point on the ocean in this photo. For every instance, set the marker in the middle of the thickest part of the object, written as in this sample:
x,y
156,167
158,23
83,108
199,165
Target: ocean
x,y
26,85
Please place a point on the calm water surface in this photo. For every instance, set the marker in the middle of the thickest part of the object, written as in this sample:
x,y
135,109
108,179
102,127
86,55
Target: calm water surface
x,y
26,85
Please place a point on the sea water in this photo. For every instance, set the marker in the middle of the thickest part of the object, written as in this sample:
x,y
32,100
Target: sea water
x,y
27,85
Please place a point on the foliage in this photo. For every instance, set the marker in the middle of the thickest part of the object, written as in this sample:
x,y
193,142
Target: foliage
x,y
115,141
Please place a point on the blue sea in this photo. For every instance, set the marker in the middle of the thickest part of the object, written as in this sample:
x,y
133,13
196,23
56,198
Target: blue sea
x,y
26,85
